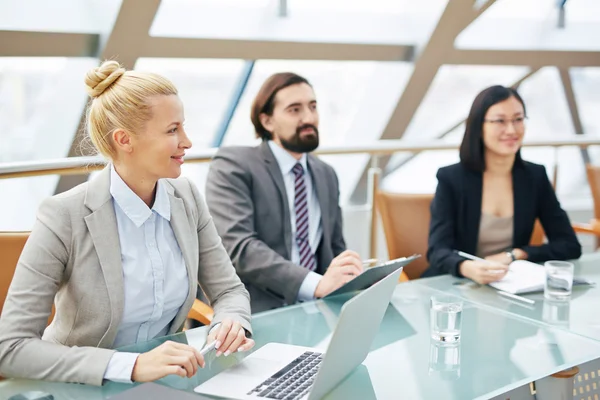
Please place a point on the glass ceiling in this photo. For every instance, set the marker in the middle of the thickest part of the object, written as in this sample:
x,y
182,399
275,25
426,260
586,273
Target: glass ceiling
x,y
533,24
205,88
87,16
389,21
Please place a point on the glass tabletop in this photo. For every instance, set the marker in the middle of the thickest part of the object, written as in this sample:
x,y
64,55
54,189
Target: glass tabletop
x,y
497,352
578,315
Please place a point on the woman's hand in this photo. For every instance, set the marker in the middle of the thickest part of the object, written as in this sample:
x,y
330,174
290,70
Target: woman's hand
x,y
501,258
483,272
170,358
506,258
230,337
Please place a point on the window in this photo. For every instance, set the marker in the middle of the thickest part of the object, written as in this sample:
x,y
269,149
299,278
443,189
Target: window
x,y
89,16
205,87
533,24
41,103
389,21
586,85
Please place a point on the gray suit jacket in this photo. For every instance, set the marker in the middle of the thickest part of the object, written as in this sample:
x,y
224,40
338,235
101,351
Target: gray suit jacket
x,y
246,196
73,257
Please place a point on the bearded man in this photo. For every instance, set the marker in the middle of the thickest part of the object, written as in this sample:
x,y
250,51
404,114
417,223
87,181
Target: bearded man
x,y
276,206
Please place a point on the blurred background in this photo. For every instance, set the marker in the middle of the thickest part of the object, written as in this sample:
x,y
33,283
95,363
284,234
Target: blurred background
x,y
382,70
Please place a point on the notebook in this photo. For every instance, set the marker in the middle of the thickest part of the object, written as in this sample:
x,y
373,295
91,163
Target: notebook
x,y
525,277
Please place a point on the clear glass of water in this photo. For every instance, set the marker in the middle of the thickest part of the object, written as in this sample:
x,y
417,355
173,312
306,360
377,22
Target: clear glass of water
x,y
445,315
559,280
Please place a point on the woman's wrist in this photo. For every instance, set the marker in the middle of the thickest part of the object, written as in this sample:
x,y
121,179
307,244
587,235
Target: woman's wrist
x,y
519,254
463,268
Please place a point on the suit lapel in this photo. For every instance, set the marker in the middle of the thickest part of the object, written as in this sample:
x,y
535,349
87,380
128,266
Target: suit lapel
x,y
102,225
275,173
474,192
521,200
183,234
317,177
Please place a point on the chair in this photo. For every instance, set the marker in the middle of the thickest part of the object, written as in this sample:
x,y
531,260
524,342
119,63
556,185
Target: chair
x,y
405,219
11,245
593,227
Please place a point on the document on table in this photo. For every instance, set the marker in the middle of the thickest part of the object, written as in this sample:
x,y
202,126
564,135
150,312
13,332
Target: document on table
x,y
525,277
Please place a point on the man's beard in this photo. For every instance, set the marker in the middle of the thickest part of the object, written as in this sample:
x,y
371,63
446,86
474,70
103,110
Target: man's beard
x,y
299,144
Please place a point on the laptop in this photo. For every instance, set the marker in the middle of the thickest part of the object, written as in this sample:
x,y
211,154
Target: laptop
x,y
283,371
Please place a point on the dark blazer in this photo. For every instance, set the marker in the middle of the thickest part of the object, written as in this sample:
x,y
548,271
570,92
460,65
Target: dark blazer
x,y
247,199
456,213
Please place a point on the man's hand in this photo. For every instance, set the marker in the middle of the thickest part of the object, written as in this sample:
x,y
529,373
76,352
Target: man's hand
x,y
342,269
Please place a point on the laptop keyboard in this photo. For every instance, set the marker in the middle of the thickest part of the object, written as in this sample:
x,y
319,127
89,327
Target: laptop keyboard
x,y
292,381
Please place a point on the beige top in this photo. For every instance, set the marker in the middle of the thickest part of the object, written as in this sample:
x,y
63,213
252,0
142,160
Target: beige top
x,y
495,234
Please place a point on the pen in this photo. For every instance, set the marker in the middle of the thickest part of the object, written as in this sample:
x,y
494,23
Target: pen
x,y
470,257
208,348
369,261
475,258
515,297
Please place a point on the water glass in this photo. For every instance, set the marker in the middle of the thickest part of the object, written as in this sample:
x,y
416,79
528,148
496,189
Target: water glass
x,y
445,316
559,280
444,360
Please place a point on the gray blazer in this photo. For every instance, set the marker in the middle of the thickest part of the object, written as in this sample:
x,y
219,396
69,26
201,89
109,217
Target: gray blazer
x,y
246,196
73,258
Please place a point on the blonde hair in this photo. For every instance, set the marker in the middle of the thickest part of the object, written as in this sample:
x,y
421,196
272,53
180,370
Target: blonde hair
x,y
120,100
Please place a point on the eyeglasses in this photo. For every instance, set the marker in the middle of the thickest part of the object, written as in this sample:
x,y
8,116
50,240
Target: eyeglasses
x,y
502,124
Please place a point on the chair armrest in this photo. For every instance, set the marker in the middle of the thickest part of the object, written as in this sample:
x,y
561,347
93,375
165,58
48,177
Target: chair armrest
x,y
403,277
201,312
592,228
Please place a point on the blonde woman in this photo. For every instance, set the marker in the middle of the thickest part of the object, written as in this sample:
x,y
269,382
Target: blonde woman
x,y
121,255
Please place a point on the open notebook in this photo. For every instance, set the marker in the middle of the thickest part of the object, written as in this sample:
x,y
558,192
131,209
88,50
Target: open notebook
x,y
525,276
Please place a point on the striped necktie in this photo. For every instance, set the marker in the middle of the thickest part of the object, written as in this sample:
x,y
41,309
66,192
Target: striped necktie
x,y
307,258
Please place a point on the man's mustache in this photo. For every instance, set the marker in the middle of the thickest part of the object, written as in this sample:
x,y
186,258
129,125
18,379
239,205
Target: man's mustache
x,y
307,126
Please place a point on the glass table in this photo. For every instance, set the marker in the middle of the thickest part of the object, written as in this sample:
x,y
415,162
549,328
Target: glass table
x,y
498,352
578,315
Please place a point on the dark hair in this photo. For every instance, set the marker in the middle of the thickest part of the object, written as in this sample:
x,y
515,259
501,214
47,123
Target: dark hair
x,y
264,102
472,154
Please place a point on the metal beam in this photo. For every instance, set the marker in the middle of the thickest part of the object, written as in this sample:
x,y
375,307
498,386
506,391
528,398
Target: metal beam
x,y
567,84
480,9
128,36
535,58
265,49
565,78
48,44
233,103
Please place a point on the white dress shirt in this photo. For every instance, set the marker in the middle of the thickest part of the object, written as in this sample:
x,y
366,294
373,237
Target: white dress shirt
x,y
154,274
315,229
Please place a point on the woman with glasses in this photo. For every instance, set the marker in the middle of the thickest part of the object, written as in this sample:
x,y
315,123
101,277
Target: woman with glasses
x,y
487,204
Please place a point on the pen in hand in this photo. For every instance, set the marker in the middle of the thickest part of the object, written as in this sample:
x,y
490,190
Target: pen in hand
x,y
368,262
479,259
208,348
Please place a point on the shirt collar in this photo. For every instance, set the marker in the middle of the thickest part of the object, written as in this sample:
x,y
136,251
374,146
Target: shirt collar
x,y
134,207
285,160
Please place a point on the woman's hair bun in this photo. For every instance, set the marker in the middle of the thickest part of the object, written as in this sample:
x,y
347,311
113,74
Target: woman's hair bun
x,y
98,79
